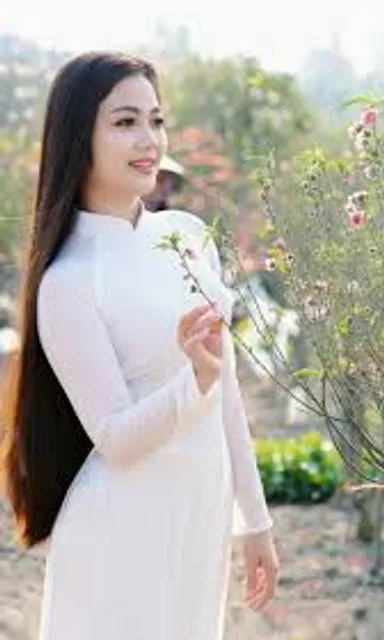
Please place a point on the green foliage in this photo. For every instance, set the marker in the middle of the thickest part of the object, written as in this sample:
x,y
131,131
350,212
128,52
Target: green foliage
x,y
219,113
328,208
302,470
18,159
25,73
239,101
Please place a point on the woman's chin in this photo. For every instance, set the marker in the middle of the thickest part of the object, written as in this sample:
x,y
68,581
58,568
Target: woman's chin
x,y
146,185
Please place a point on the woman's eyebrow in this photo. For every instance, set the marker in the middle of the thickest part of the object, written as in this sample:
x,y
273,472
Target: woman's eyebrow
x,y
135,110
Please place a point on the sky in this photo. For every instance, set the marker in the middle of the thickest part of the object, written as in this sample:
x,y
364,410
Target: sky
x,y
279,33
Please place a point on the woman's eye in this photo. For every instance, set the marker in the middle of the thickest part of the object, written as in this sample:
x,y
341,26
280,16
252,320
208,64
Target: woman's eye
x,y
130,122
125,122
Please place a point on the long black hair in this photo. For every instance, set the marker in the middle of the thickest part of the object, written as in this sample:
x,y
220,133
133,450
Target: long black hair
x,y
44,443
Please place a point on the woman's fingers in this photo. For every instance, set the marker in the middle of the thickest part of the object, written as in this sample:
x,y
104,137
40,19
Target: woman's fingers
x,y
188,320
261,589
210,320
197,320
195,341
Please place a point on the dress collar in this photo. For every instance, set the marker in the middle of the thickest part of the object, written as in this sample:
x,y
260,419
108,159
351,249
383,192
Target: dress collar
x,y
95,220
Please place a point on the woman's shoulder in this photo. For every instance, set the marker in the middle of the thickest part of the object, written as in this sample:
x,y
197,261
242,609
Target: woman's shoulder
x,y
194,231
184,222
65,277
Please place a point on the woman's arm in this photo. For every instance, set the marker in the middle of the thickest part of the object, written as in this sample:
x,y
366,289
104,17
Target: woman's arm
x,y
253,514
78,348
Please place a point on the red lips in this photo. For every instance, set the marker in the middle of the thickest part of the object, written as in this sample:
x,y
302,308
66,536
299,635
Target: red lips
x,y
146,164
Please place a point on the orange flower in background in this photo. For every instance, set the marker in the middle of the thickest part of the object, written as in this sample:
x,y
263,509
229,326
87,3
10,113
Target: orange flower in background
x,y
192,138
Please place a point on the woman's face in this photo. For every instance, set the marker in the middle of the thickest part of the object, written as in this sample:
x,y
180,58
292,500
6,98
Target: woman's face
x,y
128,141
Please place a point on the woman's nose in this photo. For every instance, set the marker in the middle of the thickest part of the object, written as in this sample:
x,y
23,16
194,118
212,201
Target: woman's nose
x,y
147,138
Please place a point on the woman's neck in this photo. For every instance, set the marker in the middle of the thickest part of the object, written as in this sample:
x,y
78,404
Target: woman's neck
x,y
128,210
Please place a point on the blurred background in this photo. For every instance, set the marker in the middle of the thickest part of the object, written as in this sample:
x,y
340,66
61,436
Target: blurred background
x,y
236,82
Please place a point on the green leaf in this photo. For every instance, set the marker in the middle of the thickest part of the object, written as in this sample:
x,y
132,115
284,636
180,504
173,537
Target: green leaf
x,y
213,231
309,373
170,241
361,99
257,79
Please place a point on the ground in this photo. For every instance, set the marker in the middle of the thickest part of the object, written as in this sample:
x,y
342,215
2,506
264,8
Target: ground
x,y
324,591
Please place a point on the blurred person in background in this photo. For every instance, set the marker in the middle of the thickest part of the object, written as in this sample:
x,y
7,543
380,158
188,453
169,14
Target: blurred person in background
x,y
169,181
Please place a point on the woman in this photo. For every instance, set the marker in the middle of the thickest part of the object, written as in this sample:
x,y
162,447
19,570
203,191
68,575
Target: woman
x,y
126,438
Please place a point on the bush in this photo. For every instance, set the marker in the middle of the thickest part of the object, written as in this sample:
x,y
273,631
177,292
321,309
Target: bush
x,y
303,470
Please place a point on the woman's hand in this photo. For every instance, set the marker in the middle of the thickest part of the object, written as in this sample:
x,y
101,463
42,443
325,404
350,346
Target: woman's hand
x,y
200,337
261,566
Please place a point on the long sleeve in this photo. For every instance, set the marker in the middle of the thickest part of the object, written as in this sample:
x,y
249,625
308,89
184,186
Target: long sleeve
x,y
78,348
252,514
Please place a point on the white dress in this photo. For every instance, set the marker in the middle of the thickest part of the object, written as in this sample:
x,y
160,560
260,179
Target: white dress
x,y
140,547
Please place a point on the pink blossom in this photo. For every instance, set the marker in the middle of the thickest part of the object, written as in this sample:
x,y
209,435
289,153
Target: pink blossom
x,y
280,244
354,129
369,116
357,219
321,286
322,312
362,140
358,198
270,264
370,171
350,207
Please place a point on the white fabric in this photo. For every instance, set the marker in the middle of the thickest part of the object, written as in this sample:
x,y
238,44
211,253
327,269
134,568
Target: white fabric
x,y
140,547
